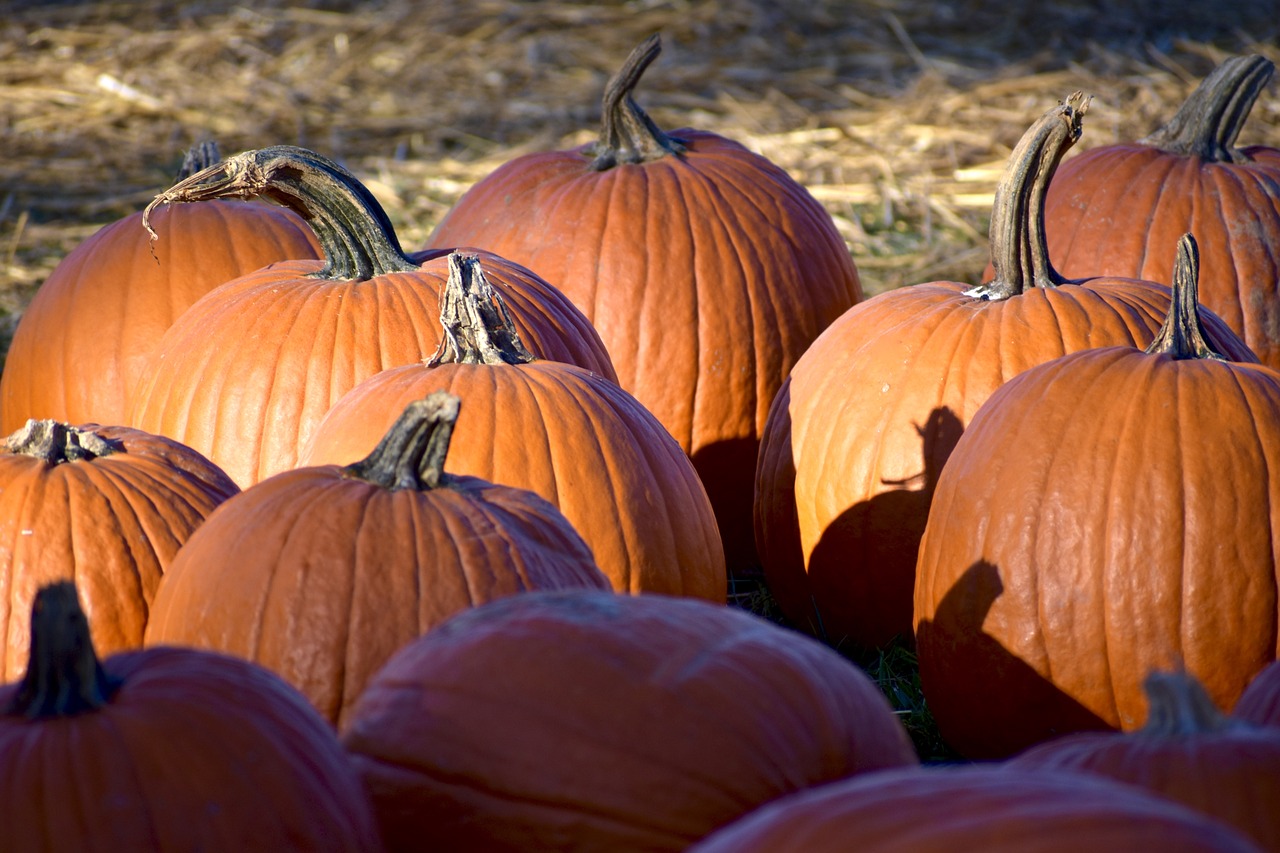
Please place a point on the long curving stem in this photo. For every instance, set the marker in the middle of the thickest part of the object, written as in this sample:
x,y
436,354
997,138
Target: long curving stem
x,y
627,134
1208,122
354,231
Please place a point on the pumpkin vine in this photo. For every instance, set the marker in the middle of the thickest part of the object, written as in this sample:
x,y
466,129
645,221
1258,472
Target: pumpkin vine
x,y
1208,122
412,453
355,233
627,134
1019,252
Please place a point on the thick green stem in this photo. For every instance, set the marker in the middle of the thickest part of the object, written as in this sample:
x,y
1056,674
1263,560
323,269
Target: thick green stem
x,y
64,676
477,327
1019,251
1178,706
55,442
627,134
1183,336
412,453
354,231
1208,122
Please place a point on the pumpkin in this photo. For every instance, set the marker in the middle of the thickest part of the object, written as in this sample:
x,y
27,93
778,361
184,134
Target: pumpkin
x,y
982,807
1260,702
107,507
1115,209
1104,515
706,269
80,345
246,372
858,434
590,721
569,435
165,750
321,574
1188,751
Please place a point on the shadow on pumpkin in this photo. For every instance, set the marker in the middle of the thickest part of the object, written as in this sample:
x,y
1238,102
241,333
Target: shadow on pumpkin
x,y
727,470
987,702
862,571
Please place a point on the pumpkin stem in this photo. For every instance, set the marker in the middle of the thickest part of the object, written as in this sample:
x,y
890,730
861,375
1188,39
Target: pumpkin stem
x,y
354,231
1183,336
411,455
198,158
64,676
627,134
1019,252
478,329
55,442
1208,122
1178,705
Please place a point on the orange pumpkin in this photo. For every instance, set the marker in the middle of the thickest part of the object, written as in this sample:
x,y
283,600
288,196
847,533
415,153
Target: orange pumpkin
x,y
706,269
82,341
244,375
571,436
321,574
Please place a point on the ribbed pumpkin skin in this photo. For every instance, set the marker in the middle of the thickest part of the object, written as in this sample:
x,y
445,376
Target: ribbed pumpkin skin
x,y
707,275
1114,210
112,524
591,721
973,808
1103,516
1232,775
195,751
81,344
577,440
1260,702
247,372
860,431
321,577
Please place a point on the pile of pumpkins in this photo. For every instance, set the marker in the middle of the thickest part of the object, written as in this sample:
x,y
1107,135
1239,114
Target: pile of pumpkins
x,y
310,542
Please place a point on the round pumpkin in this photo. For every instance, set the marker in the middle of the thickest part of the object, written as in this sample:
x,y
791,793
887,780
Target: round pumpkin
x,y
569,435
987,808
165,750
107,507
1115,209
321,573
1188,751
245,373
859,433
706,269
1260,702
1104,515
81,343
591,721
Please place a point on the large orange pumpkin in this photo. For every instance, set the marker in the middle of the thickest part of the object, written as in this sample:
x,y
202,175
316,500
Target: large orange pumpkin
x,y
1104,515
987,808
246,372
107,507
590,721
81,343
573,437
321,573
860,431
165,750
706,269
1188,751
1114,210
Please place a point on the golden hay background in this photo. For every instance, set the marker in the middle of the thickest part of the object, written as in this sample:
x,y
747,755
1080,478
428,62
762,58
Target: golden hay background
x,y
898,115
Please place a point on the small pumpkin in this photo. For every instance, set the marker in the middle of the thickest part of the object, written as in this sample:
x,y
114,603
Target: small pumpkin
x,y
321,573
1114,209
165,750
706,269
569,435
1188,751
245,373
979,807
106,507
859,432
591,721
80,345
1105,514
